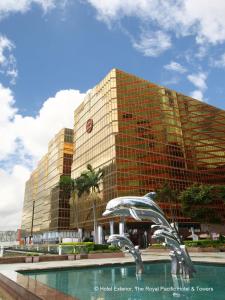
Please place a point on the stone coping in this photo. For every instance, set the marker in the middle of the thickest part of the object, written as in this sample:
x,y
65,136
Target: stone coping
x,y
22,287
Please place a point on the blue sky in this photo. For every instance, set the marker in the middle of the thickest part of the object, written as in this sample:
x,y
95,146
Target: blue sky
x,y
52,52
70,48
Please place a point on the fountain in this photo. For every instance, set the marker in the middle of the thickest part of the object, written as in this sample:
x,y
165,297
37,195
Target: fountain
x,y
144,208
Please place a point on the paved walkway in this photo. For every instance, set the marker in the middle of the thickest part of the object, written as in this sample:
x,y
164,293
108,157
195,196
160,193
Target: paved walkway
x,y
215,257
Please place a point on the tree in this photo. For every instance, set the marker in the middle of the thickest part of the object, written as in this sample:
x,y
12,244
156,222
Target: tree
x,y
76,187
168,195
88,182
91,181
66,183
197,202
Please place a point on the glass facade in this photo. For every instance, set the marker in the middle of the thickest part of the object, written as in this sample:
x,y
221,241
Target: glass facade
x,y
96,146
46,207
144,135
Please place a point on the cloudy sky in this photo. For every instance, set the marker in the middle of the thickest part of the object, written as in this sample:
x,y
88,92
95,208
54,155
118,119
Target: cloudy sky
x,y
53,51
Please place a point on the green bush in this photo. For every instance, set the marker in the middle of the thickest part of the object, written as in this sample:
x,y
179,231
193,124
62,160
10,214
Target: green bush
x,y
203,243
86,247
77,246
100,246
106,251
222,238
156,246
113,248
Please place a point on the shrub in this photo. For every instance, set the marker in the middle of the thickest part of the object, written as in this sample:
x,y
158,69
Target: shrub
x,y
113,248
86,239
80,245
100,246
203,243
222,238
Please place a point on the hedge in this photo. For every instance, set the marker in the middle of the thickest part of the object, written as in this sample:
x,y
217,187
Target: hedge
x,y
204,243
78,247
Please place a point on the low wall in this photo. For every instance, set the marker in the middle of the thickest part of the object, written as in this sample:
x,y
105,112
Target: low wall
x,y
12,259
106,255
43,258
159,250
204,249
21,259
52,257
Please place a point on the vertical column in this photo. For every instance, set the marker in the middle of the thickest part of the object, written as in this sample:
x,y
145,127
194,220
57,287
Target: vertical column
x,y
100,235
111,227
121,227
80,234
2,251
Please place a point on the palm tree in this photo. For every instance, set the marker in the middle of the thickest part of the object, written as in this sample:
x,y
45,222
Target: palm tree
x,y
76,187
88,182
91,184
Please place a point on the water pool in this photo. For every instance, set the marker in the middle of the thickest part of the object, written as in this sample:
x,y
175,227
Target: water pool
x,y
120,282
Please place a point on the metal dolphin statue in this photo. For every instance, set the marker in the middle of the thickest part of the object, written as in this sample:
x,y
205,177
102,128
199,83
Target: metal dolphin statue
x,y
138,207
123,241
144,208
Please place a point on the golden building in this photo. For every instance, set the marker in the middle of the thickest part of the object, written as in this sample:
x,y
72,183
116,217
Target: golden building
x,y
144,135
46,208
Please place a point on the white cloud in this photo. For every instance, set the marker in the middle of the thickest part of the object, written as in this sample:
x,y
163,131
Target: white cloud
x,y
219,63
56,113
204,20
174,66
7,132
33,133
11,195
7,60
197,94
23,136
198,80
152,43
5,44
15,6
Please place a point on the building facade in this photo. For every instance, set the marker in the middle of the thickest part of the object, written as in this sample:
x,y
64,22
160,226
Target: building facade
x,y
144,135
46,210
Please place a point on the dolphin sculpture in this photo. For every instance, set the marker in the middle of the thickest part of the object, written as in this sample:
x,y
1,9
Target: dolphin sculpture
x,y
181,261
144,208
170,239
123,241
139,208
